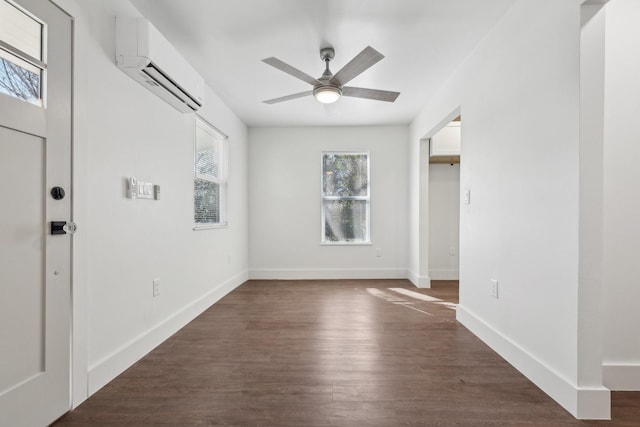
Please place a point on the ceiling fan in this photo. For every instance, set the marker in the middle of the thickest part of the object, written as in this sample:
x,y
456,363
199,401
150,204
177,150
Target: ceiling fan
x,y
329,87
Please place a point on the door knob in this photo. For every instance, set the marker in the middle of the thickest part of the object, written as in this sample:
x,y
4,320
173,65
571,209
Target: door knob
x,y
63,227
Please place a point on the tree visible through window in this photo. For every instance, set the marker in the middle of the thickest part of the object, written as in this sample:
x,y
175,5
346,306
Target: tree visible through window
x,y
19,82
345,197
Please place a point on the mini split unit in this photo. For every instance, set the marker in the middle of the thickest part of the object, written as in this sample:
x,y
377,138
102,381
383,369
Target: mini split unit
x,y
149,58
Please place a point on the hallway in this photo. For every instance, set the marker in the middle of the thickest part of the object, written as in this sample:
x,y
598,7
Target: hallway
x,y
329,353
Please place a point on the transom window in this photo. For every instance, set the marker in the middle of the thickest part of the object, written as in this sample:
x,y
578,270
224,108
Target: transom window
x,y
345,198
210,179
22,63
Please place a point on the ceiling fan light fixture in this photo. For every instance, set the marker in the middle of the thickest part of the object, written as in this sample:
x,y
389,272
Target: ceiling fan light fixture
x,y
327,94
328,88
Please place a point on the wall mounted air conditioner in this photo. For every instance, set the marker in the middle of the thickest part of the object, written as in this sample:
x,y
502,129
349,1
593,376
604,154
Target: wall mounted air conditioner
x,y
148,57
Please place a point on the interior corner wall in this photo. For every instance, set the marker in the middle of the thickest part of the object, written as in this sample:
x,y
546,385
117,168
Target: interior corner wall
x,y
285,204
621,198
518,94
444,221
418,258
128,131
590,262
413,258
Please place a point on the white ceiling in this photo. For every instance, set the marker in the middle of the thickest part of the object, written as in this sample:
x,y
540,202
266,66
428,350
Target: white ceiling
x,y
423,41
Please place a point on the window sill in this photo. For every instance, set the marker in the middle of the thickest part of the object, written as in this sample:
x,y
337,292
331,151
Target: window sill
x,y
346,244
210,226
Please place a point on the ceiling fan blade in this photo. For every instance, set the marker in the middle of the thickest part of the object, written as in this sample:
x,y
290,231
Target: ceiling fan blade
x,y
361,62
283,66
375,94
288,97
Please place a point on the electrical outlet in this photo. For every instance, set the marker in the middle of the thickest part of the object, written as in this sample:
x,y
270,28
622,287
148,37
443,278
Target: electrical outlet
x,y
378,252
452,251
156,287
494,288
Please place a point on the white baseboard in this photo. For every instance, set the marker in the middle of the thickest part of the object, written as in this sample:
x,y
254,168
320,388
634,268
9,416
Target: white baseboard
x,y
326,274
422,282
581,402
621,376
105,370
442,274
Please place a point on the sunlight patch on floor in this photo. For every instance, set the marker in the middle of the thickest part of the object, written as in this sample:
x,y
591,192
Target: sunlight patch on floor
x,y
394,299
385,295
423,297
414,294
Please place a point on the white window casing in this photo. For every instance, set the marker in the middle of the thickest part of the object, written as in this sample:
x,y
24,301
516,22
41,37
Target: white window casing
x,y
345,194
210,176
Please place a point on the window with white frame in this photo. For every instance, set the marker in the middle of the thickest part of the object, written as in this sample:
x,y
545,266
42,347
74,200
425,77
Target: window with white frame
x,y
345,198
22,65
210,176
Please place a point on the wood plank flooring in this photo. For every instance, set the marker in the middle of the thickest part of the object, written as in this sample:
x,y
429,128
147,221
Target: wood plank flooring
x,y
329,353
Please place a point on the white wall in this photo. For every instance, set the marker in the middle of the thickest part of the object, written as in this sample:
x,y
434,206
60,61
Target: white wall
x,y
444,221
590,314
284,200
519,92
125,130
519,95
621,198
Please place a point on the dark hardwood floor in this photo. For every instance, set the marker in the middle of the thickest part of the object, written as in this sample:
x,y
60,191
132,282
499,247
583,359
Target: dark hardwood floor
x,y
329,353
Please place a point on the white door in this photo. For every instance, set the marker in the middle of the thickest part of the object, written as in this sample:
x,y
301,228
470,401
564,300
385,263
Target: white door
x,y
35,266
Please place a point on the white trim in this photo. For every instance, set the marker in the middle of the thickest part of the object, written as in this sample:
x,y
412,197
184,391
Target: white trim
x,y
79,196
208,123
323,198
326,273
108,368
220,140
443,274
347,243
581,402
422,282
621,376
210,226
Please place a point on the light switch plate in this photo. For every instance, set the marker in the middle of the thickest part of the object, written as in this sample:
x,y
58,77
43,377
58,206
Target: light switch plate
x,y
494,288
132,188
145,190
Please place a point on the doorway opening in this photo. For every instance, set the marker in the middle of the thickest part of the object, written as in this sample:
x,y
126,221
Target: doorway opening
x,y
441,144
444,204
